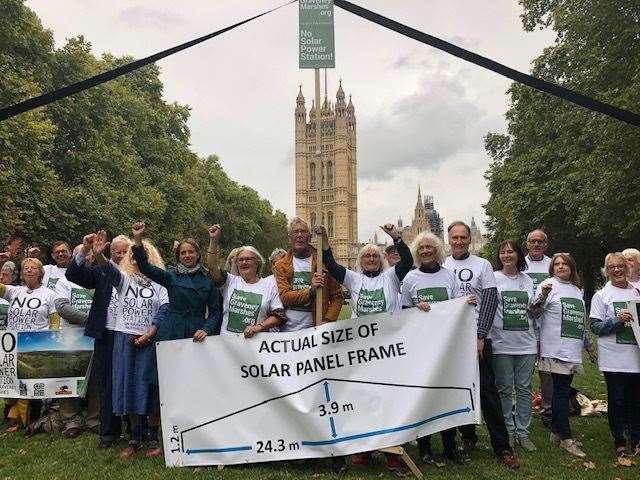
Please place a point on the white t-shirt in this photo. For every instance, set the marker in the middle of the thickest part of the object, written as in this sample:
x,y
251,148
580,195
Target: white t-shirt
x,y
635,284
618,351
512,332
245,304
29,310
419,286
138,305
538,270
372,294
473,275
300,317
79,298
52,273
4,311
562,322
112,310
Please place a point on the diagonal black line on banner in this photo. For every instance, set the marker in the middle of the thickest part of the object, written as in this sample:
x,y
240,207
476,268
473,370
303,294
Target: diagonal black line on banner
x,y
537,83
77,87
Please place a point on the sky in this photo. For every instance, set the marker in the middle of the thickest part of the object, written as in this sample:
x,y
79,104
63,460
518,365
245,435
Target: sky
x,y
421,114
65,339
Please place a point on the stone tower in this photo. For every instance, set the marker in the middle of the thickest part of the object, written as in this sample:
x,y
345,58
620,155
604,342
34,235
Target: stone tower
x,y
420,221
338,166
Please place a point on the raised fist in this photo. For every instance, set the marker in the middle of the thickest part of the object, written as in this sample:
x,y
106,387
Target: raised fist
x,y
137,230
391,230
214,232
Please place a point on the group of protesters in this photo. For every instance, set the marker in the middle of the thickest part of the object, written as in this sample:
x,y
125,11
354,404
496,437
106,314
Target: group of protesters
x,y
529,311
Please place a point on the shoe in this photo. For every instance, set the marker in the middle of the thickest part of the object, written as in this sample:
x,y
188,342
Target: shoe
x,y
426,456
392,461
104,444
571,446
509,460
72,432
339,465
130,451
621,451
362,458
527,444
454,457
468,445
154,449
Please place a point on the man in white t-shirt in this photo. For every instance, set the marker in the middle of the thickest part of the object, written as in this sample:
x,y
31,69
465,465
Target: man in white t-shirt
x,y
538,269
475,277
61,254
298,283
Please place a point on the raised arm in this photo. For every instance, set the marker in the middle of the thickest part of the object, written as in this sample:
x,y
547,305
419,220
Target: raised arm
x,y
156,274
218,276
406,259
79,273
100,244
335,269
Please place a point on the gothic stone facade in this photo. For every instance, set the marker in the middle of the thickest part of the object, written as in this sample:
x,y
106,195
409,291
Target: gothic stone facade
x,y
337,181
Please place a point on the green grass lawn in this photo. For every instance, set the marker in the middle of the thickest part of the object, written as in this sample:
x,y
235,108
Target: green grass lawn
x,y
55,457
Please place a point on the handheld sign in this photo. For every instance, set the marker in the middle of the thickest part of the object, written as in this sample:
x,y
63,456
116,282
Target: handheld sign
x,y
317,49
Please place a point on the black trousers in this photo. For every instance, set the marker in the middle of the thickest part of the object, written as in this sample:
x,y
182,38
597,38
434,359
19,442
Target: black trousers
x,y
448,441
623,397
491,406
110,424
560,405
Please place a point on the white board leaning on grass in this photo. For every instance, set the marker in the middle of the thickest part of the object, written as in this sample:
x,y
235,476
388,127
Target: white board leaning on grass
x,y
341,388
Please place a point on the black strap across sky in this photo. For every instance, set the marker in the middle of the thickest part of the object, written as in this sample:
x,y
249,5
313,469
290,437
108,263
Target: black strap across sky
x,y
537,83
77,87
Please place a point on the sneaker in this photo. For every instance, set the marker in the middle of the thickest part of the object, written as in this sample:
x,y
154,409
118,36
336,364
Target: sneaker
x,y
571,446
527,444
154,449
130,451
621,451
509,460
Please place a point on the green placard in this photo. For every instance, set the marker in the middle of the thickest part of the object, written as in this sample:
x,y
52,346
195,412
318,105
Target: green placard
x,y
431,295
537,278
371,301
514,310
625,335
243,310
81,299
316,40
572,318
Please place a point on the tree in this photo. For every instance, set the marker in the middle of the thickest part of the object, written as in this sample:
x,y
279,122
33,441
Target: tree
x,y
562,167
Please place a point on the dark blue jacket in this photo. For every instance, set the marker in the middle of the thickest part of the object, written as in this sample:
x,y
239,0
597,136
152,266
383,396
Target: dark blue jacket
x,y
194,302
102,282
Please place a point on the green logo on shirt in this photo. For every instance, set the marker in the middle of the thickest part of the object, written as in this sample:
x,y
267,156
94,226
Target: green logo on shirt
x,y
81,299
4,308
572,316
514,311
51,283
301,280
625,335
537,278
433,294
371,301
243,310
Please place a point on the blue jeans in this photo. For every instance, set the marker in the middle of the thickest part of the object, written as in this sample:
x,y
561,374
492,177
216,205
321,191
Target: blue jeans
x,y
513,373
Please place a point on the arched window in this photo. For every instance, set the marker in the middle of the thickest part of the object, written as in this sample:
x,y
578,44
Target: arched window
x,y
312,175
313,220
329,173
330,224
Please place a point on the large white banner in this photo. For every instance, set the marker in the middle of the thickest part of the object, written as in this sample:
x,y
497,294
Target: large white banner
x,y
345,387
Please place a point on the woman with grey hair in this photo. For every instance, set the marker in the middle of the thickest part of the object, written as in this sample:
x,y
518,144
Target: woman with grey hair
x,y
423,286
250,303
618,353
373,289
632,256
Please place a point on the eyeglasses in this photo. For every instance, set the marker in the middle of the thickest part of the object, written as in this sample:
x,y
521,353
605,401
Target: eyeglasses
x,y
244,259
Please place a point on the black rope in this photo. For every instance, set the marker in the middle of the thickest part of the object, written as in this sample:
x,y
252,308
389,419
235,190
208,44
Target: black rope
x,y
537,83
74,88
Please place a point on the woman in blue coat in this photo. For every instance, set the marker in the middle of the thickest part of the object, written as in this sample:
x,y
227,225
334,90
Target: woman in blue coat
x,y
194,305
